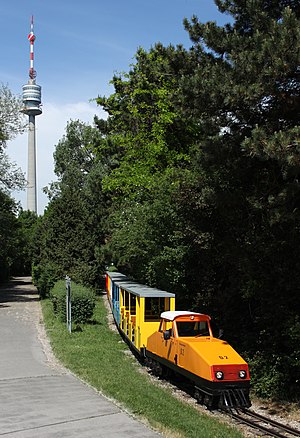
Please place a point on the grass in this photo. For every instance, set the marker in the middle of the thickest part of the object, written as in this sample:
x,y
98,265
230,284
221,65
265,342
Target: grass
x,y
99,356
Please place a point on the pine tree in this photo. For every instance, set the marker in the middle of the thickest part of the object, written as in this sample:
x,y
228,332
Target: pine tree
x,y
245,95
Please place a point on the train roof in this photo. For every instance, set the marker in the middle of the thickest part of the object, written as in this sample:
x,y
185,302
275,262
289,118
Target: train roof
x,y
137,289
171,315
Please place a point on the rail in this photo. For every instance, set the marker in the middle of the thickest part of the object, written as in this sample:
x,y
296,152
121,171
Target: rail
x,y
264,424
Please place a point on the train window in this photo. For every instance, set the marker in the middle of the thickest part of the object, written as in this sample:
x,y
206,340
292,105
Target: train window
x,y
167,304
165,325
126,303
192,328
115,293
132,304
153,308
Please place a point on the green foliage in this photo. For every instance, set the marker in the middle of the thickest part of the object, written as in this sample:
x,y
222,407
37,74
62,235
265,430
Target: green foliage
x,y
17,234
82,302
71,228
148,239
44,277
11,177
9,235
245,94
274,376
11,119
152,133
27,222
13,244
11,124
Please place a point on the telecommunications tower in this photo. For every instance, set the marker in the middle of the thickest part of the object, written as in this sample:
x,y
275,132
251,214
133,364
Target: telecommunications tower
x,y
31,107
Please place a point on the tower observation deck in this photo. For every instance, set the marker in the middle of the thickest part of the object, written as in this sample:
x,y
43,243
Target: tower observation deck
x,y
32,98
31,107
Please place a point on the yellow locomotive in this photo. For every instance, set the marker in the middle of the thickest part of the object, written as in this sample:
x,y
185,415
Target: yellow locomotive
x,y
184,342
178,341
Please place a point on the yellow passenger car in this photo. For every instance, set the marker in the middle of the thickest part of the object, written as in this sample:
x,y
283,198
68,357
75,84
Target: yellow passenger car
x,y
136,308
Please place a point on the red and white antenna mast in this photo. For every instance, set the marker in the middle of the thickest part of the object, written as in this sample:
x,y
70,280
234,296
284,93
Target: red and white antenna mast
x,y
31,38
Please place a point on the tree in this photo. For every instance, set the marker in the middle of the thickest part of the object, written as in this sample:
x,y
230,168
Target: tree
x,y
245,96
8,235
11,119
11,177
146,240
11,124
27,223
152,136
71,228
150,140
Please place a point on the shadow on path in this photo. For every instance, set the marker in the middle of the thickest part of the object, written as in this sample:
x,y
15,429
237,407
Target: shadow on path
x,y
18,289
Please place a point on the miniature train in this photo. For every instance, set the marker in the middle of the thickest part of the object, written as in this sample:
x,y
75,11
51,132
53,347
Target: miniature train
x,y
178,341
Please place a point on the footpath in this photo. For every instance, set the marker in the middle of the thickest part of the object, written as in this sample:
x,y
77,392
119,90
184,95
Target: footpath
x,y
38,397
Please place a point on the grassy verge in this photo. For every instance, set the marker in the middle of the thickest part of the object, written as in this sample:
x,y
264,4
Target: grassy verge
x,y
98,356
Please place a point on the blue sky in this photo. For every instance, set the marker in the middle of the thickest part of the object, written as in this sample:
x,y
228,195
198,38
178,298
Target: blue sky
x,y
79,46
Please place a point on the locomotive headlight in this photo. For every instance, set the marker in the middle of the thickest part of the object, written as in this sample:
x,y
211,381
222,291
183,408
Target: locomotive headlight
x,y
219,375
242,374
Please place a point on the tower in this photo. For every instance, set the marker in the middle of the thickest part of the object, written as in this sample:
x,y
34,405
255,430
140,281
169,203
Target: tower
x,y
32,107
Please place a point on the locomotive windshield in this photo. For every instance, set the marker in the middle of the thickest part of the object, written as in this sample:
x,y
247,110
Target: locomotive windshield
x,y
192,328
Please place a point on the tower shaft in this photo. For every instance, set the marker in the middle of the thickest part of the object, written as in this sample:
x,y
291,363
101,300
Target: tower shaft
x,y
31,174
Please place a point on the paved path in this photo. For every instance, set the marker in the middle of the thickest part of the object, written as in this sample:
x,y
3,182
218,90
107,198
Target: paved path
x,y
38,397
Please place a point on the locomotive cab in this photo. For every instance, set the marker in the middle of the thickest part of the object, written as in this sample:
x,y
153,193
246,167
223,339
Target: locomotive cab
x,y
193,326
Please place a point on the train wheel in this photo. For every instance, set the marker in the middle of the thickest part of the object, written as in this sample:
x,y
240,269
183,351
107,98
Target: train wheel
x,y
209,401
199,396
147,362
156,367
215,402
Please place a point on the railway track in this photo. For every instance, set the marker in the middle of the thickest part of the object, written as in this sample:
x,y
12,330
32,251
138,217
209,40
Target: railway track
x,y
269,427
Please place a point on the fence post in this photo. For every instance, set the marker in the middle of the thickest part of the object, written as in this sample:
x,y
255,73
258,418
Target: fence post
x,y
68,303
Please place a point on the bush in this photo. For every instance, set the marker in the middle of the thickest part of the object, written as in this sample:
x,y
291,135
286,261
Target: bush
x,y
83,302
266,375
85,273
274,376
44,278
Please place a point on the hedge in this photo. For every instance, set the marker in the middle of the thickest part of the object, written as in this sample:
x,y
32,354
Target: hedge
x,y
44,277
83,302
